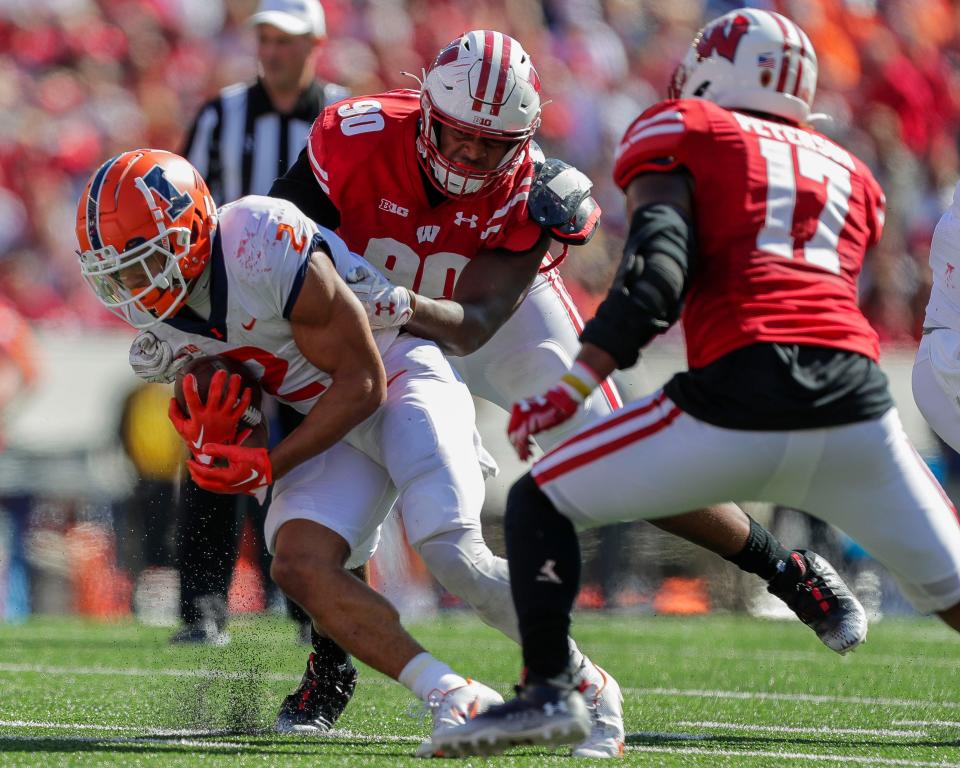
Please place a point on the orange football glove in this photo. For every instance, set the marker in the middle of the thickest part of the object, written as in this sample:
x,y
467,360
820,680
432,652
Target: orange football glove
x,y
248,470
217,420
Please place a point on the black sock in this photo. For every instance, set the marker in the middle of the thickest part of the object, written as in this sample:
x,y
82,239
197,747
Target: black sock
x,y
328,653
762,554
544,558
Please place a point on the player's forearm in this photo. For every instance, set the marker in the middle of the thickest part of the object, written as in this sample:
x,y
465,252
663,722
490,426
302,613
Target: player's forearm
x,y
348,402
458,329
598,360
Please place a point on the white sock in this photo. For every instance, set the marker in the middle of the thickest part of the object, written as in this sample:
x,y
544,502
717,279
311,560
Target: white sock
x,y
424,674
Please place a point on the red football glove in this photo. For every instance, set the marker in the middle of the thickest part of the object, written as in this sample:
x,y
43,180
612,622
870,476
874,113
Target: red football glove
x,y
555,406
248,470
535,414
215,421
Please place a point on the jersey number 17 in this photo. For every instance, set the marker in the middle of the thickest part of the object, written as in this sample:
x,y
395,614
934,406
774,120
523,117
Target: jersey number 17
x,y
777,234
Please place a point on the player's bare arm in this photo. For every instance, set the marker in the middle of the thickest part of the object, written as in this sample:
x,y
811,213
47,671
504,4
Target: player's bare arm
x,y
331,330
643,302
487,293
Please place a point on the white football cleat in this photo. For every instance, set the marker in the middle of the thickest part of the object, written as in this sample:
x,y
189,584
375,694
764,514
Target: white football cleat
x,y
605,704
454,708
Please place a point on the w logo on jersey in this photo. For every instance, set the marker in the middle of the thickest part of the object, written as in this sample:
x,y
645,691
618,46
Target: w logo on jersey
x,y
157,181
724,42
427,234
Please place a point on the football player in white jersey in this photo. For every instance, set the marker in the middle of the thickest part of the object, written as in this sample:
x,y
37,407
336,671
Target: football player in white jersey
x,y
936,371
259,282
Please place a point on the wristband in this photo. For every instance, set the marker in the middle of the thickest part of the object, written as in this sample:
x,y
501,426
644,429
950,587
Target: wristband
x,y
582,379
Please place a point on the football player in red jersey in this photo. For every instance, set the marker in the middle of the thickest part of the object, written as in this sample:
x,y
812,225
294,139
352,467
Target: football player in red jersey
x,y
444,191
751,228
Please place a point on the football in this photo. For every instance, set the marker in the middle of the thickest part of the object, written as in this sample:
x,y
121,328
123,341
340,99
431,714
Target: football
x,y
203,368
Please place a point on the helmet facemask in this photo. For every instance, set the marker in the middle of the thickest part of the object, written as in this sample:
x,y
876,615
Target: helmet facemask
x,y
146,276
482,84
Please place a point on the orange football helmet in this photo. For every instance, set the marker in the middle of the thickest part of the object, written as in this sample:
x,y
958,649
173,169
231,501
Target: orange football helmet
x,y
145,224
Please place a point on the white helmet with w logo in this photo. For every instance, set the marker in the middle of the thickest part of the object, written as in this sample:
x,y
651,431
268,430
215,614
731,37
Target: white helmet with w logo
x,y
483,83
753,60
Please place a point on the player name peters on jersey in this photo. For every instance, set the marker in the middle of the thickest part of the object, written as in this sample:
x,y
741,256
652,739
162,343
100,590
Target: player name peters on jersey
x,y
783,217
257,266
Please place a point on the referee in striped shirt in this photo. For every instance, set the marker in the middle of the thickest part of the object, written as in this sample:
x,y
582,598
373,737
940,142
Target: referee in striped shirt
x,y
240,142
251,133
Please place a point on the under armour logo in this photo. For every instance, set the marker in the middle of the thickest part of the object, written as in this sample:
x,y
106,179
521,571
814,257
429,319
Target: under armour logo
x,y
389,309
548,574
427,234
461,219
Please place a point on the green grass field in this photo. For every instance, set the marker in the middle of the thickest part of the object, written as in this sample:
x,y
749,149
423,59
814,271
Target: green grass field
x,y
710,691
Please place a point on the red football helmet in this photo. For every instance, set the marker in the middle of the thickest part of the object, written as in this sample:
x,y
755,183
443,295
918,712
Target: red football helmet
x,y
483,83
145,222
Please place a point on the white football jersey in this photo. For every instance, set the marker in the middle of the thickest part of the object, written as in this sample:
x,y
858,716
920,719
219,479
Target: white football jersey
x,y
257,266
943,309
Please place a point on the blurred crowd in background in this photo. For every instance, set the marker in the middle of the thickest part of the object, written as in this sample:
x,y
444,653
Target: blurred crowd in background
x,y
81,80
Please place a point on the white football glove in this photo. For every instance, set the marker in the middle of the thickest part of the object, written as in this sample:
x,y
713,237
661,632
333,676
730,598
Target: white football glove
x,y
154,360
386,305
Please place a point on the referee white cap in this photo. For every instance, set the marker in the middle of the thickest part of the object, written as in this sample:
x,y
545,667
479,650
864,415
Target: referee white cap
x,y
295,17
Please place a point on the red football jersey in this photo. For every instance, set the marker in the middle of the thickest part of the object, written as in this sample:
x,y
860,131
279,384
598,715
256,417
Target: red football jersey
x,y
363,154
782,216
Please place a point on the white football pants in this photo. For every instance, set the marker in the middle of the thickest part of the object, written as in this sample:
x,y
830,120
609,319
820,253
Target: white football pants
x,y
652,459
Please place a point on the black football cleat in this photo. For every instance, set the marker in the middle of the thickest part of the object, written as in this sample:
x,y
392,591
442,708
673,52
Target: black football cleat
x,y
319,700
540,714
823,602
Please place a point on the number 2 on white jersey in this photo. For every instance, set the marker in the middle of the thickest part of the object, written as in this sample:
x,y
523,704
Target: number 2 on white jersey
x,y
776,234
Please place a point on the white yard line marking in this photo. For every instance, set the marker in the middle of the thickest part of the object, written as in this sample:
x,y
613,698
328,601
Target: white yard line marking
x,y
779,756
797,729
136,672
937,723
95,727
706,752
191,738
173,742
651,650
807,698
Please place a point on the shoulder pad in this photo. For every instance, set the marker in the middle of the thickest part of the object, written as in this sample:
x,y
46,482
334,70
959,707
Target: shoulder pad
x,y
560,201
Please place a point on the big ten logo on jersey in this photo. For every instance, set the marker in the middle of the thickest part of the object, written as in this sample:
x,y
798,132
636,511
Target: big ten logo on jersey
x,y
808,192
432,274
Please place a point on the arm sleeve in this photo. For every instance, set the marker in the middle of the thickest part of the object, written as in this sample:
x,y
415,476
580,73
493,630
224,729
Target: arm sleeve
x,y
646,295
300,187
